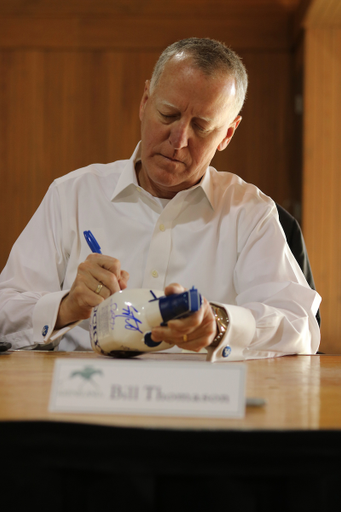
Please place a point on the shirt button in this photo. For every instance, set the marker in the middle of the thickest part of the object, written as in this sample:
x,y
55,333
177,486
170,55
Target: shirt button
x,y
162,227
155,273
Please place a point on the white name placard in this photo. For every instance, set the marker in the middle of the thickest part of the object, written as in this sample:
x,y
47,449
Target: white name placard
x,y
142,387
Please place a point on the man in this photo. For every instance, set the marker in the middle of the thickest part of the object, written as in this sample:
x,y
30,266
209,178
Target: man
x,y
164,217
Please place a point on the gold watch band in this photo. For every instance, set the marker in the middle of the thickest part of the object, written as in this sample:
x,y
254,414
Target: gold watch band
x,y
222,321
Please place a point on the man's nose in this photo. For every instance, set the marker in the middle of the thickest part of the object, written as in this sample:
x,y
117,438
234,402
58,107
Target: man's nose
x,y
179,135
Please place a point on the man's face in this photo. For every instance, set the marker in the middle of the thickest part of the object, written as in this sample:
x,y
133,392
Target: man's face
x,y
184,120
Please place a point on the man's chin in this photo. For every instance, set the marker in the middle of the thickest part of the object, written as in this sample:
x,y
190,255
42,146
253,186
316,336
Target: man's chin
x,y
165,185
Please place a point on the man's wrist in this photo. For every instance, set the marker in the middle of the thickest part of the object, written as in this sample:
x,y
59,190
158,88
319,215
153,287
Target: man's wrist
x,y
63,317
222,321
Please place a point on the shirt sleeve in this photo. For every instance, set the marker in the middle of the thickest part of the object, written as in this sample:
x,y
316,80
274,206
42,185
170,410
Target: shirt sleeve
x,y
31,282
275,308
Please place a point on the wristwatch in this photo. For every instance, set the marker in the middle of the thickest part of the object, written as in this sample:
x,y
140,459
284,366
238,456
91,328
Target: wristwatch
x,y
222,321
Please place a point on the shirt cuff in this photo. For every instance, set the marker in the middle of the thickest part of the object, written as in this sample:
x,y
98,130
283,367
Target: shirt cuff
x,y
239,334
45,316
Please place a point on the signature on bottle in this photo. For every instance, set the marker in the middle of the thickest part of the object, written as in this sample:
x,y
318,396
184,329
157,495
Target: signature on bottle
x,y
132,323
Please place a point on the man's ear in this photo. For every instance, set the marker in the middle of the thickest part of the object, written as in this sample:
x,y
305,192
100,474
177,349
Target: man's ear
x,y
145,97
230,132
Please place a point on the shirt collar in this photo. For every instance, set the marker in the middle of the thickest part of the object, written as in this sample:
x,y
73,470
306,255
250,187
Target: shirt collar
x,y
128,178
207,186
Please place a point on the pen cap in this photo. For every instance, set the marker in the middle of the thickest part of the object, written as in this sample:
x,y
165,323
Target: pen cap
x,y
180,304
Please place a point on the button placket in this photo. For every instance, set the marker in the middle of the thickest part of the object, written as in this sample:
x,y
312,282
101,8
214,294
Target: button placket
x,y
160,246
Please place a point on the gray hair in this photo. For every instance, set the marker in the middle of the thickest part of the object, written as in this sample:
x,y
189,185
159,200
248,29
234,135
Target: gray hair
x,y
211,57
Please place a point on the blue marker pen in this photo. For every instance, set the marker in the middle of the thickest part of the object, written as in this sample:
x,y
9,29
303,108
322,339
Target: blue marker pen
x,y
92,242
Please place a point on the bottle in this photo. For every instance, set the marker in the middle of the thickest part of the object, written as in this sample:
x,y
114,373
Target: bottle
x,y
121,325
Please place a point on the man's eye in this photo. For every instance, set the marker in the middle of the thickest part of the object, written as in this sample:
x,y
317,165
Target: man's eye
x,y
200,128
166,116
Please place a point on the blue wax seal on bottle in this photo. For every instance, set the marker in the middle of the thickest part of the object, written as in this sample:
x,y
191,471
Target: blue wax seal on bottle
x,y
180,305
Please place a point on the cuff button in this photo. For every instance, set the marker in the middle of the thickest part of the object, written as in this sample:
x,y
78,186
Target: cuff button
x,y
226,351
45,330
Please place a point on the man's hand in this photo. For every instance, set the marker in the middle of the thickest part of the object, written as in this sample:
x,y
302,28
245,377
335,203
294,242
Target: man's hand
x,y
191,333
96,270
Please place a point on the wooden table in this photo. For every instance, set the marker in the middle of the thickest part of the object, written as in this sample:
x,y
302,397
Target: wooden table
x,y
301,392
283,456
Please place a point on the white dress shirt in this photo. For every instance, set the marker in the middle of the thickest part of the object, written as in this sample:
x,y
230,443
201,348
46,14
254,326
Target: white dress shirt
x,y
222,236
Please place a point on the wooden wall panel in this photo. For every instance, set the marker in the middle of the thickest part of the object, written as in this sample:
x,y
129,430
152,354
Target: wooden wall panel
x,y
321,174
21,129
197,8
323,13
134,33
148,24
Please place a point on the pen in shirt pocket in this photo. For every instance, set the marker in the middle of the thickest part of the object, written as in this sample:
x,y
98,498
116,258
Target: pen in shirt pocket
x,y
92,242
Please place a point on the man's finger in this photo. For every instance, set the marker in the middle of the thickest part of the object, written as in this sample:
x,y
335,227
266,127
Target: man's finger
x,y
123,282
174,288
106,270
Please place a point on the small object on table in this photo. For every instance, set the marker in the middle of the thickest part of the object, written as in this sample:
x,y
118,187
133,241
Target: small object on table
x,y
4,346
